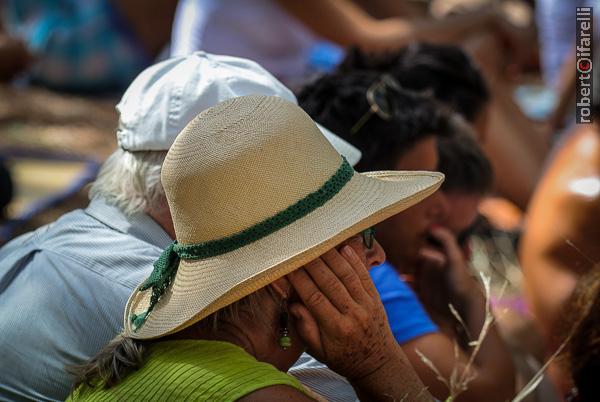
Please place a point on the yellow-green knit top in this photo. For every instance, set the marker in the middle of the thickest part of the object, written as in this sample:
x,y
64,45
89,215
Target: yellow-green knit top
x,y
193,370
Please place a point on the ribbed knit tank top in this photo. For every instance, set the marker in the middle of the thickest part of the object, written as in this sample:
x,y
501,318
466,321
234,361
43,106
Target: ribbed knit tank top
x,y
193,370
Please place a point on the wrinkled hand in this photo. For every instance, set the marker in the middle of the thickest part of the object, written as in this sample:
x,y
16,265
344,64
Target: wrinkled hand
x,y
342,319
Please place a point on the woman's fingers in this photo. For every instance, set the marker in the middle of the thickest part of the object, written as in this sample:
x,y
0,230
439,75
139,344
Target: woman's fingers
x,y
432,257
313,298
328,282
451,247
308,329
361,271
343,270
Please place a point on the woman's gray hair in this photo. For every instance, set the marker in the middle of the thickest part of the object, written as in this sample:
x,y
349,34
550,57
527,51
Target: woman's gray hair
x,y
124,355
131,181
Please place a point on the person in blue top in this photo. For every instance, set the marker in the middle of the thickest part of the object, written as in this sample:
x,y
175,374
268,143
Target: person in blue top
x,y
400,129
92,46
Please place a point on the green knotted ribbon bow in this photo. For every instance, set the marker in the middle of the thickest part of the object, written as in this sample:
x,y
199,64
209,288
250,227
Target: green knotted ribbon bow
x,y
165,268
159,280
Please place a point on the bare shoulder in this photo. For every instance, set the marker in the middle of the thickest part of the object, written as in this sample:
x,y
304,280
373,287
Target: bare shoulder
x,y
276,393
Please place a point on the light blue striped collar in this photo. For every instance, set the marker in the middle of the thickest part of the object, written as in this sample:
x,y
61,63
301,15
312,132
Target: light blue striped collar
x,y
139,225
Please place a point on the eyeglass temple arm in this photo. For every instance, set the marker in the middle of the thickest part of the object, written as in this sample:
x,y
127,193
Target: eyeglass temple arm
x,y
361,122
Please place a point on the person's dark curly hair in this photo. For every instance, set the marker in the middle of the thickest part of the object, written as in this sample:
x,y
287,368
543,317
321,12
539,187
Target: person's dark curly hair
x,y
338,101
443,70
582,316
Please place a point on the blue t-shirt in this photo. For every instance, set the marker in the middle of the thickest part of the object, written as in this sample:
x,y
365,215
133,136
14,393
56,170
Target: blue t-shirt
x,y
406,315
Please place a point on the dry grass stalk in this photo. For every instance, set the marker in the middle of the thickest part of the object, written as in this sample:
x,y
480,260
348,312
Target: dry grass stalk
x,y
539,376
458,383
465,377
460,320
461,376
430,364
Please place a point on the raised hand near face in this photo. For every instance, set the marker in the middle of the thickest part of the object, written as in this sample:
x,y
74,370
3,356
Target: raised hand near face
x,y
343,322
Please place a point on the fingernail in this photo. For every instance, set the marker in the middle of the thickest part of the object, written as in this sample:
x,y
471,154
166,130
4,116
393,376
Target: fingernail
x,y
347,250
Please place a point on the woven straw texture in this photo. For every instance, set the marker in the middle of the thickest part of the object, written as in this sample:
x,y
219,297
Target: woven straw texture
x,y
238,164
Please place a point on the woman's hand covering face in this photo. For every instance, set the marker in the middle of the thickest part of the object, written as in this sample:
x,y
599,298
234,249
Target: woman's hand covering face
x,y
341,318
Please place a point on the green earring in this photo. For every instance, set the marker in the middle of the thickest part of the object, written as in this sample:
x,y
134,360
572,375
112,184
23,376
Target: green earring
x,y
284,340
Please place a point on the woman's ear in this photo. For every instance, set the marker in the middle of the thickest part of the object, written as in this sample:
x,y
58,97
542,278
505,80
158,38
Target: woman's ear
x,y
282,288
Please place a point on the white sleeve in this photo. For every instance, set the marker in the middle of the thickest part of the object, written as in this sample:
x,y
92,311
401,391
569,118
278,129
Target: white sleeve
x,y
320,379
189,24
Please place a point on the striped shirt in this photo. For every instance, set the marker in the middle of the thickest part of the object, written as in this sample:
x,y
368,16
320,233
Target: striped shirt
x,y
63,289
556,21
320,379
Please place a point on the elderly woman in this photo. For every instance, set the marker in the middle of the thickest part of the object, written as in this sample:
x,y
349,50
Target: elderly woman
x,y
271,257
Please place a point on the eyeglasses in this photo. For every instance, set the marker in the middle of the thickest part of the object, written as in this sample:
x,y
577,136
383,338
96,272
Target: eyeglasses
x,y
368,236
379,101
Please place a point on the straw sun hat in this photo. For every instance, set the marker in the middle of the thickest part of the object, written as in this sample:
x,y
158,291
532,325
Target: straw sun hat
x,y
255,191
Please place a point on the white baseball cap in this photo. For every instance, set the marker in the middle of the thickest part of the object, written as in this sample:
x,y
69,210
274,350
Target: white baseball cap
x,y
165,97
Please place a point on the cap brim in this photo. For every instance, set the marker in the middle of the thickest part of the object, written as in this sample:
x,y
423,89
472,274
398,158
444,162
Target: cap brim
x,y
343,147
203,287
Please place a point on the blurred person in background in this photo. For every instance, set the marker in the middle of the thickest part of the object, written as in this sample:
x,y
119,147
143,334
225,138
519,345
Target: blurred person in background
x,y
63,286
556,26
558,48
446,72
92,46
581,326
282,34
561,236
468,180
457,81
396,128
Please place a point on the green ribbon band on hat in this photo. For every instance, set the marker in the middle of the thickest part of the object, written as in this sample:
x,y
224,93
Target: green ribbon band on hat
x,y
166,266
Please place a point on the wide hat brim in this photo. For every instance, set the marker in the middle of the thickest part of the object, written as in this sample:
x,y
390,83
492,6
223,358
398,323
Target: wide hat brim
x,y
202,287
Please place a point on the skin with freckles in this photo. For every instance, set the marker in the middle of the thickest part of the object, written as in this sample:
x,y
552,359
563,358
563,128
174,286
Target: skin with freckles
x,y
343,322
335,312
